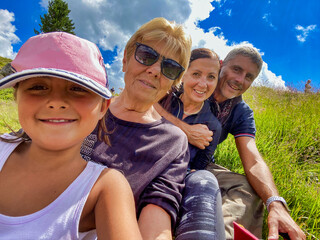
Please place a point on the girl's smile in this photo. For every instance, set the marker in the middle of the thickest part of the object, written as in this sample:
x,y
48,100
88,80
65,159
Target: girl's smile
x,y
65,111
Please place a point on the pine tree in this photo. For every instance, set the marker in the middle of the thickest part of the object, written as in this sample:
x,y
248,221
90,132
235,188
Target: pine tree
x,y
57,18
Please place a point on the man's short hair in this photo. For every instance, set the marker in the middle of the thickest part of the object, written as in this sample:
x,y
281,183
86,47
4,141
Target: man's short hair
x,y
245,51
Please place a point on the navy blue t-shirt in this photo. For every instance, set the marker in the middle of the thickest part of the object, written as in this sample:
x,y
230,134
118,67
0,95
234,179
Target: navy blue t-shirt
x,y
199,159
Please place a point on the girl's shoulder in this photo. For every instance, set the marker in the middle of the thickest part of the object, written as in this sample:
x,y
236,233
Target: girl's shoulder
x,y
110,177
110,182
7,145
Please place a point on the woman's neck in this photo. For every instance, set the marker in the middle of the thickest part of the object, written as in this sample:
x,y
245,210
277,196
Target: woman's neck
x,y
190,107
133,111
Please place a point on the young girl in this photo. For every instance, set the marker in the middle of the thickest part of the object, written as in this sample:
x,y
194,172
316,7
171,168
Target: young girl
x,y
47,191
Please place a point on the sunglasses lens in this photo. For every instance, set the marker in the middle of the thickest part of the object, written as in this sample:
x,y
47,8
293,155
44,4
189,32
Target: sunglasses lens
x,y
146,55
171,69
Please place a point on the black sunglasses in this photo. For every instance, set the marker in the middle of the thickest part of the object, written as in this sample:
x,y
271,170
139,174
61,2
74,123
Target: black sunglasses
x,y
148,56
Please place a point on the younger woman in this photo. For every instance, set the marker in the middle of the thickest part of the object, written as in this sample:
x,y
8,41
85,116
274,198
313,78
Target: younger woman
x,y
201,207
190,104
47,191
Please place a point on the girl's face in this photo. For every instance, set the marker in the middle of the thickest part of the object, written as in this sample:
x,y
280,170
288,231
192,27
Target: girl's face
x,y
201,79
58,114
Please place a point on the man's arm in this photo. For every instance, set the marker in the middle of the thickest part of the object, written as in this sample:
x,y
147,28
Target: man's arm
x,y
260,178
198,135
155,223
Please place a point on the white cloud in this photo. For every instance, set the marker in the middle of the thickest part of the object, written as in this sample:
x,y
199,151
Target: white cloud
x,y
304,32
269,79
110,23
266,18
7,36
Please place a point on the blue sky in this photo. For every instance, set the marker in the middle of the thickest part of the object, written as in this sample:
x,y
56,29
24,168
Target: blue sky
x,y
287,33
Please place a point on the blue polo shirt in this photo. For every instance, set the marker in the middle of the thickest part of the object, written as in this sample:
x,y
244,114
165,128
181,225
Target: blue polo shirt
x,y
235,116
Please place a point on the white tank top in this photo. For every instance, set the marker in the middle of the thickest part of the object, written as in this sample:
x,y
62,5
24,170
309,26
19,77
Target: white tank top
x,y
60,219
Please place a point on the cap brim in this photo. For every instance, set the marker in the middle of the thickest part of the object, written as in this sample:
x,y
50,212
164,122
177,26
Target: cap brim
x,y
13,79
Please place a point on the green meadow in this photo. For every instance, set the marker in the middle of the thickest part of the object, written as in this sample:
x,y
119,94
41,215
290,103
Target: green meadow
x,y
288,138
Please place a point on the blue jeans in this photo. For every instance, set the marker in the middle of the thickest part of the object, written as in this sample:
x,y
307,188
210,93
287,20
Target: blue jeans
x,y
200,214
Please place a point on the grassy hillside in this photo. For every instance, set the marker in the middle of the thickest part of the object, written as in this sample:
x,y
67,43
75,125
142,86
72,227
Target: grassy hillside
x,y
4,61
6,93
288,137
7,107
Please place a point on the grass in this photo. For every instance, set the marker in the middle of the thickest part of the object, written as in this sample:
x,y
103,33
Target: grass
x,y
288,137
8,112
4,61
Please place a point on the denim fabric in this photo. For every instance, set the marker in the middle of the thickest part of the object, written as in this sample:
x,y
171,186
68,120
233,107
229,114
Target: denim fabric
x,y
201,209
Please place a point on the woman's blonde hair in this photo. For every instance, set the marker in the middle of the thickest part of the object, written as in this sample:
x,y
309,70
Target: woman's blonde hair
x,y
177,41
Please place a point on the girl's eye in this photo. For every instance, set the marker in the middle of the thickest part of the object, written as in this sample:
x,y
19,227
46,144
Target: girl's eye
x,y
78,89
37,88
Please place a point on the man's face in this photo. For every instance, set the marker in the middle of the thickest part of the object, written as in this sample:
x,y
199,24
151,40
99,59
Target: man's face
x,y
235,78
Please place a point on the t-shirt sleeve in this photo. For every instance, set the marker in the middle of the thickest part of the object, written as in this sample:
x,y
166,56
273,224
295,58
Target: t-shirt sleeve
x,y
166,189
243,121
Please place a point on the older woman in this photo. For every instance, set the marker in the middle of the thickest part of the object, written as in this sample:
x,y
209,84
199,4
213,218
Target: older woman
x,y
150,151
201,210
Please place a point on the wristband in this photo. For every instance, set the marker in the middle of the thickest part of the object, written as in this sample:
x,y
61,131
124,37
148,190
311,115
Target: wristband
x,y
279,199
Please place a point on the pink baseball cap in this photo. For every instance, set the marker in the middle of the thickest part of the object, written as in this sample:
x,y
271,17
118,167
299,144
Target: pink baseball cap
x,y
61,55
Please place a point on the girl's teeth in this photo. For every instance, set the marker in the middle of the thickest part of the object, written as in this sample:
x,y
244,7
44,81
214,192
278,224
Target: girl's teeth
x,y
59,121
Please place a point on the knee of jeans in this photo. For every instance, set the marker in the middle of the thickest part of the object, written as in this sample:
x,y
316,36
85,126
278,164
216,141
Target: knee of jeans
x,y
201,178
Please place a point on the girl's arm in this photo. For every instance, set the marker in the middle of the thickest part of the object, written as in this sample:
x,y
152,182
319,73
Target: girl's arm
x,y
115,213
155,223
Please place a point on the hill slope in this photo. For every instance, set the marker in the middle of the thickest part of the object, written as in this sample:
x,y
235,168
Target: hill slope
x,y
288,138
4,61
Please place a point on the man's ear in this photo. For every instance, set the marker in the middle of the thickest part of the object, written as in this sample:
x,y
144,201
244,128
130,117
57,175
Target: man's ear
x,y
124,60
221,63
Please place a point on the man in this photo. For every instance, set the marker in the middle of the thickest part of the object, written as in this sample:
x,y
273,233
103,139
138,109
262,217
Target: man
x,y
239,69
